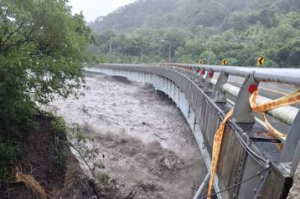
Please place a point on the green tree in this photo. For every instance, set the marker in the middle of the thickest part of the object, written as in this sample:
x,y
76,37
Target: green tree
x,y
41,49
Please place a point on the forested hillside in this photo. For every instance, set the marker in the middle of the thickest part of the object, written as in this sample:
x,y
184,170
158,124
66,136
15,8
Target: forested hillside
x,y
186,30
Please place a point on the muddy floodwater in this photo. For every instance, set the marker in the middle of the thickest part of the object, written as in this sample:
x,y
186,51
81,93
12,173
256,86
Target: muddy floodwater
x,y
145,143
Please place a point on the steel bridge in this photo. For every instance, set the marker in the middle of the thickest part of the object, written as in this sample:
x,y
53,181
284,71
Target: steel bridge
x,y
251,164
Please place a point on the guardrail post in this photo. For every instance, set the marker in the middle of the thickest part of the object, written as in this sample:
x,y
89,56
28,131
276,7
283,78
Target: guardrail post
x,y
190,70
179,68
219,94
289,151
207,83
200,79
194,73
242,111
296,160
185,70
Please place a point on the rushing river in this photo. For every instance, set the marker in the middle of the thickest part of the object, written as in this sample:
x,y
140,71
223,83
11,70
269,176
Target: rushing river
x,y
145,143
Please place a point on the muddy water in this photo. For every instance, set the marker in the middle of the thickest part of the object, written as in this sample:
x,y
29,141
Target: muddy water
x,y
145,143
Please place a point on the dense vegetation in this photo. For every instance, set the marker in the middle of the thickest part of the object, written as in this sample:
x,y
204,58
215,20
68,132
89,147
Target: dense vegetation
x,y
42,47
186,30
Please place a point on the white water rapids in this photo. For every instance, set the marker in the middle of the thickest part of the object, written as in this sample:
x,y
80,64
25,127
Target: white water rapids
x,y
145,143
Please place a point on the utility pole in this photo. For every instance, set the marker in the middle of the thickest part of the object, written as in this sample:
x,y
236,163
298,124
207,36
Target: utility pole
x,y
170,49
170,52
110,43
210,49
142,56
209,55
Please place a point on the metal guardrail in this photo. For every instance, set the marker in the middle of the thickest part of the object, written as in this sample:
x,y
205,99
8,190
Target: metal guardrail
x,y
286,114
286,75
243,113
196,81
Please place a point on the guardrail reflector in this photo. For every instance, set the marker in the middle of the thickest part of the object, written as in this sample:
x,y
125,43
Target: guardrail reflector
x,y
252,88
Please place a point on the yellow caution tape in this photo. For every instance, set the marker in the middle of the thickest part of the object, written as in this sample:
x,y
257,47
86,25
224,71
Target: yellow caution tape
x,y
283,101
216,151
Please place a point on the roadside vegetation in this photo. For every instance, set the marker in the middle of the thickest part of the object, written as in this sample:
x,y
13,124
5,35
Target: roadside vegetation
x,y
42,48
188,30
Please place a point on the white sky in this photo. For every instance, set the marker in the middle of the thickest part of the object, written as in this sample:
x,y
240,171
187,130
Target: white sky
x,y
95,8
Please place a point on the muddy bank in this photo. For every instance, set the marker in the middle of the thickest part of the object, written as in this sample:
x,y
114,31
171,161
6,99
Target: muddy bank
x,y
46,167
138,138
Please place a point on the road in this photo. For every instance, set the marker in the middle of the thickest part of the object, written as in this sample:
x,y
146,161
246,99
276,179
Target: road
x,y
269,90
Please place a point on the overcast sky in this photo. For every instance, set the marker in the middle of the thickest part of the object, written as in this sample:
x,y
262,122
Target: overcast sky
x,y
95,8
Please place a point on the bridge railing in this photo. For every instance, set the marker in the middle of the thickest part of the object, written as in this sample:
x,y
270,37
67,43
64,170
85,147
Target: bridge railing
x,y
286,114
280,75
243,114
203,99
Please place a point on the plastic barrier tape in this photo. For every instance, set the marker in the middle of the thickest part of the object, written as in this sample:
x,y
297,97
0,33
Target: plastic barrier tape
x,y
216,151
283,101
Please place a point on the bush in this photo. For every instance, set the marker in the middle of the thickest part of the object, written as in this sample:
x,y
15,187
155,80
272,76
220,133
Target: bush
x,y
59,125
9,154
61,159
103,178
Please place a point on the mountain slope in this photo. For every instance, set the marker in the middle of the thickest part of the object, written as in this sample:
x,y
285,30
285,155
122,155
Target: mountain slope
x,y
239,30
183,13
